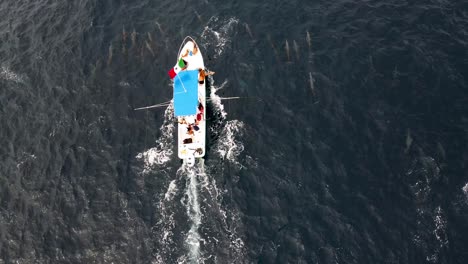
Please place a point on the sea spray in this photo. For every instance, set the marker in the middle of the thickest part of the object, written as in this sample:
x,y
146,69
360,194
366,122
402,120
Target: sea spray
x,y
465,190
218,33
228,146
163,230
9,75
161,153
216,100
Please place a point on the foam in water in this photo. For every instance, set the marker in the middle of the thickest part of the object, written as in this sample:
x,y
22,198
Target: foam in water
x,y
216,100
124,84
171,191
440,233
193,211
157,156
432,224
200,184
25,158
218,34
465,190
229,147
161,154
440,227
164,228
7,74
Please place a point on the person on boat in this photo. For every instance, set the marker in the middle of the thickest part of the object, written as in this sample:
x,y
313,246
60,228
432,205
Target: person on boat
x,y
199,116
182,120
190,130
191,52
195,126
199,151
187,52
202,75
200,107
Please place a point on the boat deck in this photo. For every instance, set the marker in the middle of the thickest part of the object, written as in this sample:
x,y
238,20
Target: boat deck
x,y
191,131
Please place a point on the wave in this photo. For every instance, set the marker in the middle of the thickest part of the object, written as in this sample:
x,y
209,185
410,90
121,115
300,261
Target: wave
x,y
431,235
163,231
465,190
440,233
229,147
218,34
163,151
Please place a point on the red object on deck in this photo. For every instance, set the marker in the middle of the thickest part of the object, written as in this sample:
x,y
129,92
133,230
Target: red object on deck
x,y
172,73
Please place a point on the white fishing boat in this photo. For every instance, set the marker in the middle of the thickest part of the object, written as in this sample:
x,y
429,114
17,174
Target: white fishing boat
x,y
189,99
189,102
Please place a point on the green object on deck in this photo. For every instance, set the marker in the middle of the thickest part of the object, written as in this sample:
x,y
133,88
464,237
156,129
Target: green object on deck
x,y
181,63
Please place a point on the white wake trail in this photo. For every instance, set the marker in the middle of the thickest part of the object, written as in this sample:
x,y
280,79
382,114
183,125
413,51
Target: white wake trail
x,y
191,201
162,152
194,213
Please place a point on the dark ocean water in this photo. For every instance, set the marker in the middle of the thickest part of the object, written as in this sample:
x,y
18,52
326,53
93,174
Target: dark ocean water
x,y
349,146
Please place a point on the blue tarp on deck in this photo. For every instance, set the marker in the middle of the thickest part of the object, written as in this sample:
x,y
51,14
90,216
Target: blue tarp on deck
x,y
186,93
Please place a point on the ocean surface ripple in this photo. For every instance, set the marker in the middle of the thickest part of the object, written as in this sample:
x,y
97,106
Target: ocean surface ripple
x,y
348,143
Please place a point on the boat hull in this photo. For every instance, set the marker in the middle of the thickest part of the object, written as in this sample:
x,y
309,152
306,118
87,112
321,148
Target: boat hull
x,y
191,143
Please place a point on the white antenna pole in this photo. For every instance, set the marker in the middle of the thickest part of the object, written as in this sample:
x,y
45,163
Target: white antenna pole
x,y
182,83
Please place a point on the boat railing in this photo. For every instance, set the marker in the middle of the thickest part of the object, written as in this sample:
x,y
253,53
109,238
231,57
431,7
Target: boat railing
x,y
182,45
